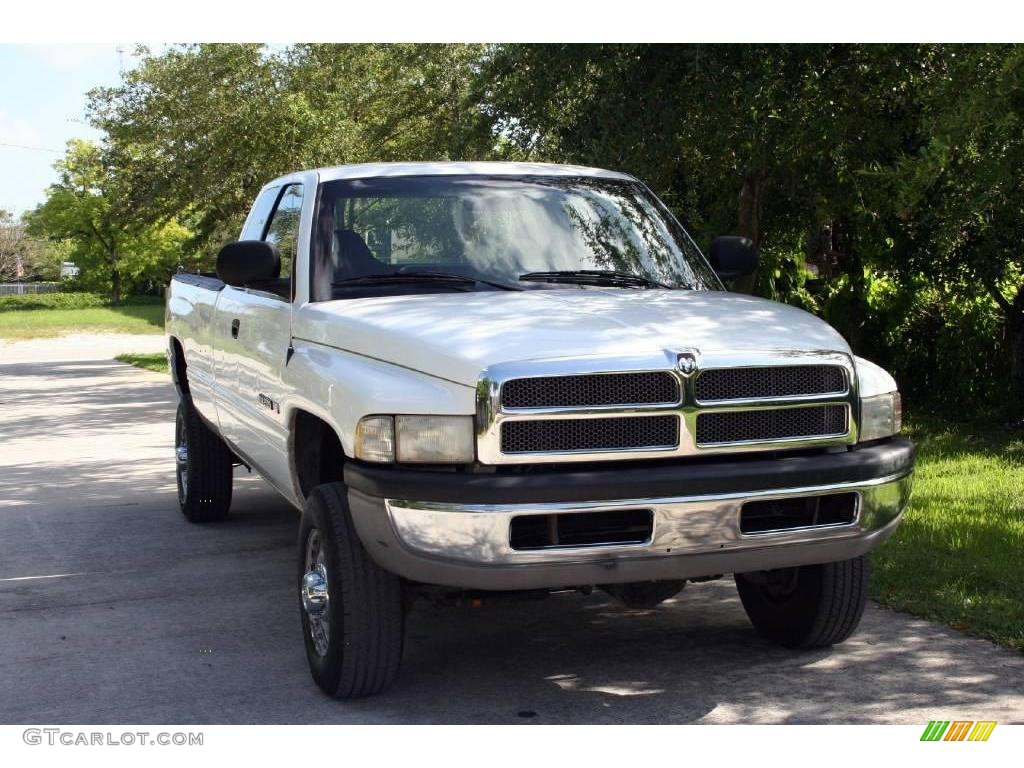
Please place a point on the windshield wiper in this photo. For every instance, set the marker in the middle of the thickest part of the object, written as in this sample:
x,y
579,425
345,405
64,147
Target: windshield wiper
x,y
411,277
594,277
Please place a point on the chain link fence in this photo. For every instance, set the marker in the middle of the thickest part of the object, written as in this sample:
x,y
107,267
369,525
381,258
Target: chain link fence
x,y
20,289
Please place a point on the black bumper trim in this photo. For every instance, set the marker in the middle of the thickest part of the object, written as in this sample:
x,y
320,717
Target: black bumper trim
x,y
882,459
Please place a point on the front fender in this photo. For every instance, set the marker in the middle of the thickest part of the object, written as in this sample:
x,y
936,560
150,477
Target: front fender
x,y
341,387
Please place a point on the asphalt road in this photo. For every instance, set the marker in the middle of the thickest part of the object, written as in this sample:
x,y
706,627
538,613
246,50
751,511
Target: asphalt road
x,y
113,609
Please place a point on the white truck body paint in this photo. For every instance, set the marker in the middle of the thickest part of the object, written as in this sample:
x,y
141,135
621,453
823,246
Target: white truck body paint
x,y
456,336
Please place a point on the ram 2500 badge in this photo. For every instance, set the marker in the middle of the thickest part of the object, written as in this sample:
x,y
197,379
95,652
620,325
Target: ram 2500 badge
x,y
478,377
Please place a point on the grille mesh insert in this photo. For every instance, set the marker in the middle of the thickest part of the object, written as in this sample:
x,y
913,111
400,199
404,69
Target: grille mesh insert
x,y
589,434
590,390
776,424
786,381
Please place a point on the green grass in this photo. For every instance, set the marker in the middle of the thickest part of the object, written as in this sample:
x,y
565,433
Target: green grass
x,y
155,362
958,557
33,323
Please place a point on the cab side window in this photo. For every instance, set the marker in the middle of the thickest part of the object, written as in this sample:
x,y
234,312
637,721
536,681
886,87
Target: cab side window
x,y
283,230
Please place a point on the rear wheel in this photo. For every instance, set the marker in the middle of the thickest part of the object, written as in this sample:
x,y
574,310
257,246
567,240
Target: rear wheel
x,y
809,606
352,610
204,468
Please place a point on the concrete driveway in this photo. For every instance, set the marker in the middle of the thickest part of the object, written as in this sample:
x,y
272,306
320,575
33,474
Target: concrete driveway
x,y
113,609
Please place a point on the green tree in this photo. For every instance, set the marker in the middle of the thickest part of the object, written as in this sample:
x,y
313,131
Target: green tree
x,y
959,199
83,207
88,207
881,182
196,130
374,102
892,171
757,139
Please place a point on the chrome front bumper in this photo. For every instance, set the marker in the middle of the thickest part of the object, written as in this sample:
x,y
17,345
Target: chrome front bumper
x,y
467,545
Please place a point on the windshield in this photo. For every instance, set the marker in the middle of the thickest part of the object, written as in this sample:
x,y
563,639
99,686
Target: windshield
x,y
410,234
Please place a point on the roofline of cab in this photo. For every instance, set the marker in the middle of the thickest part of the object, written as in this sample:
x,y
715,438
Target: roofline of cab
x,y
487,168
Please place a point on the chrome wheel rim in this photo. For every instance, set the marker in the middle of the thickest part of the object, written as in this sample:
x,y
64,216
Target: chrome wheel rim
x,y
316,598
181,458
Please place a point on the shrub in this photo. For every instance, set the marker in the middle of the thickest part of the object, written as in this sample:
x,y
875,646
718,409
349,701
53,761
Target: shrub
x,y
69,301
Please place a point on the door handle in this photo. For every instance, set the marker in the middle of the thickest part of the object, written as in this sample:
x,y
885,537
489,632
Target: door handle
x,y
234,328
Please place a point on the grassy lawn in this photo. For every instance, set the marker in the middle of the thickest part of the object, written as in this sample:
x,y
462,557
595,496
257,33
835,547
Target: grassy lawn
x,y
958,557
156,362
36,323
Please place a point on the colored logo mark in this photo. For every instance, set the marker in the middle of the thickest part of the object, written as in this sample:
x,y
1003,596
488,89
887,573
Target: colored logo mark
x,y
958,730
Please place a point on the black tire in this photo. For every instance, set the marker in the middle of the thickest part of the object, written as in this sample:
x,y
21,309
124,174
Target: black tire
x,y
361,651
205,470
811,606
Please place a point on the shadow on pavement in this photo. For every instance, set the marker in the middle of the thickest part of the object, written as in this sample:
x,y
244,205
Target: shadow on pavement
x,y
144,618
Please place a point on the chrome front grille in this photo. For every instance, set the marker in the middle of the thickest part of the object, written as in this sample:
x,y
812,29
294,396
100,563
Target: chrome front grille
x,y
646,407
769,382
576,435
594,390
714,428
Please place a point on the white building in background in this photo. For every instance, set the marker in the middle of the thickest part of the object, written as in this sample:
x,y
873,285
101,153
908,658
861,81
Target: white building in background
x,y
68,269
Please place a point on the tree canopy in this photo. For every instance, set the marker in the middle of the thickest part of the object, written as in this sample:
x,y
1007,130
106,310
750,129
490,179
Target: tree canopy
x,y
89,208
881,182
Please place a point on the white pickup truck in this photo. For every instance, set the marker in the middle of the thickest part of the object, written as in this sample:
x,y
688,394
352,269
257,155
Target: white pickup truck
x,y
481,378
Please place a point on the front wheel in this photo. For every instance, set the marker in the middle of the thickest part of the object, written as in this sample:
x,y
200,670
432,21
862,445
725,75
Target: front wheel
x,y
352,610
809,606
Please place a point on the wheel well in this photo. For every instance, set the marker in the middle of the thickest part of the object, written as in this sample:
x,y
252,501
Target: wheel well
x,y
317,455
179,373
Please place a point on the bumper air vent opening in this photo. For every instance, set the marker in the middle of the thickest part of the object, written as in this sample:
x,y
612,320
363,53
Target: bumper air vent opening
x,y
581,529
772,515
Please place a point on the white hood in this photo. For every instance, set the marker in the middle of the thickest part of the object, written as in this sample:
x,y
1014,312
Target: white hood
x,y
455,336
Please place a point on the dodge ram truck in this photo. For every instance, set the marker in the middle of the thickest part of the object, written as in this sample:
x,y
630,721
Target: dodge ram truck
x,y
493,379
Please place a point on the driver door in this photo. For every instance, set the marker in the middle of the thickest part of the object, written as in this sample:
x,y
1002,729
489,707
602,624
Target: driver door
x,y
260,319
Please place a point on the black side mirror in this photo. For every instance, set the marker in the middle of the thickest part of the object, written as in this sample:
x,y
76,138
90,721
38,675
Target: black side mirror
x,y
248,261
733,257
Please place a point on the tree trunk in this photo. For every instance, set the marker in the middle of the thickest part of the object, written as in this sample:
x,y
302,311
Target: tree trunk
x,y
849,262
115,277
1015,326
749,224
1013,311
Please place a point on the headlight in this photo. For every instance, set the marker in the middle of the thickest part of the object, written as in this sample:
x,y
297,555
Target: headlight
x,y
880,416
416,439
